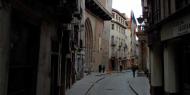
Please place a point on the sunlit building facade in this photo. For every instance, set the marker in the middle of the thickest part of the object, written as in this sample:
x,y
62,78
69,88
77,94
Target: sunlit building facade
x,y
118,44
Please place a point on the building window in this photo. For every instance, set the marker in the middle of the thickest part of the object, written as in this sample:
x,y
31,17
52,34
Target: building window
x,y
112,26
113,15
112,38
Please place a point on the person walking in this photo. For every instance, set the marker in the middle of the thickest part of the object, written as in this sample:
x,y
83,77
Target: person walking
x,y
100,68
134,68
103,68
121,68
146,72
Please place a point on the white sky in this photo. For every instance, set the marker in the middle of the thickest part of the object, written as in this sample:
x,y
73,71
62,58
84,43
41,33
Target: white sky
x,y
125,6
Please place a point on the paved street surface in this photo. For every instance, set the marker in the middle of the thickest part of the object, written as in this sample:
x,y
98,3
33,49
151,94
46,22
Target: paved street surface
x,y
111,84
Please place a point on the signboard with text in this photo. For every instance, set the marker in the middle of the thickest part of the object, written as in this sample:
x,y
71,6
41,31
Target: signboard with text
x,y
176,28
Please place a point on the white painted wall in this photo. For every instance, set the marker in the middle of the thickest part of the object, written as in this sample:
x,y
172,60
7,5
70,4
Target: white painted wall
x,y
117,35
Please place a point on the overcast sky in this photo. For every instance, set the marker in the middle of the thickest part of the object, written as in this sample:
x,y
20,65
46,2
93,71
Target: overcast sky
x,y
125,6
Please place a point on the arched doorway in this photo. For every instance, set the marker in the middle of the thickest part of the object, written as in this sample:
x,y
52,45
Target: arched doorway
x,y
88,45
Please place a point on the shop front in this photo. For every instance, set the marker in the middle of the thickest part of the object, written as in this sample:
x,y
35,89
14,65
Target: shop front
x,y
175,38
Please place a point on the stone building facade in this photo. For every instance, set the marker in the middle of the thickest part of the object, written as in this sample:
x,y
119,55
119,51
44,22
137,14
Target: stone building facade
x,y
132,42
118,46
96,13
39,41
167,27
143,58
106,37
44,44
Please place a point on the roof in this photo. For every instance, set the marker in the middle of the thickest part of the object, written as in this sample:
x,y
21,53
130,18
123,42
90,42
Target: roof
x,y
121,14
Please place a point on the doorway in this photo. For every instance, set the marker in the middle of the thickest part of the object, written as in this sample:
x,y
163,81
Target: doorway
x,y
182,65
113,64
24,51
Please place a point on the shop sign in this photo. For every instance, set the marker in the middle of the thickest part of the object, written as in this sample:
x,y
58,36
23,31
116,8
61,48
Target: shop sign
x,y
176,28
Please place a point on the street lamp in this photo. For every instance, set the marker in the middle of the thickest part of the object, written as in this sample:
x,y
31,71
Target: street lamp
x,y
140,20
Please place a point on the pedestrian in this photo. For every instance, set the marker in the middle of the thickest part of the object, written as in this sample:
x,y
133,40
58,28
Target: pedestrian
x,y
121,68
147,72
100,68
134,67
103,68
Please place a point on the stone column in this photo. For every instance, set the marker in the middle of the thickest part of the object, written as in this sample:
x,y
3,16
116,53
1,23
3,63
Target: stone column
x,y
169,70
156,70
4,47
44,67
147,58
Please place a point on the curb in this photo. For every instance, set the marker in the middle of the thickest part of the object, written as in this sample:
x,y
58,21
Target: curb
x,y
133,88
93,85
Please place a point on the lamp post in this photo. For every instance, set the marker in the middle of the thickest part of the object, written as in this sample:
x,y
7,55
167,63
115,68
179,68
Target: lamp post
x,y
140,20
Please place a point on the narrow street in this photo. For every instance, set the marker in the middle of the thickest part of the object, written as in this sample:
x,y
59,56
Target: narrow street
x,y
117,83
114,84
94,47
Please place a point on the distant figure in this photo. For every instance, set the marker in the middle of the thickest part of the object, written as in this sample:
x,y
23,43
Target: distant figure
x,y
146,72
103,68
121,68
134,68
100,68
